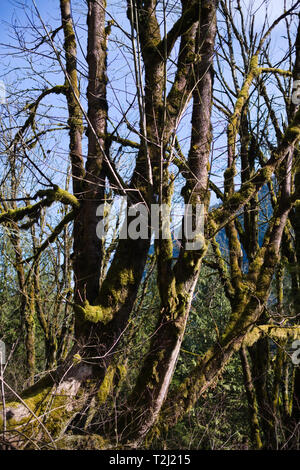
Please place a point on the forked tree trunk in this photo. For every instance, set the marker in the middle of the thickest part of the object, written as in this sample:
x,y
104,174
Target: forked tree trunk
x,y
177,285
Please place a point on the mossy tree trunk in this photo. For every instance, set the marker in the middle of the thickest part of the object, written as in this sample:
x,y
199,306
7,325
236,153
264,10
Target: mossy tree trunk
x,y
177,284
252,400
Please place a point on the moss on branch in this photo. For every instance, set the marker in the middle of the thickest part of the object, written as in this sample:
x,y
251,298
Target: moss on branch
x,y
32,210
58,194
274,332
93,313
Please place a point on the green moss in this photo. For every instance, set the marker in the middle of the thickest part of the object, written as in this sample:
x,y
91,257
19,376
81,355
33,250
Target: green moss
x,y
126,277
58,413
107,385
275,332
254,63
115,289
33,404
45,414
58,194
230,172
17,214
77,358
256,264
267,173
240,102
93,313
66,197
49,195
212,227
90,442
155,374
122,371
21,418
